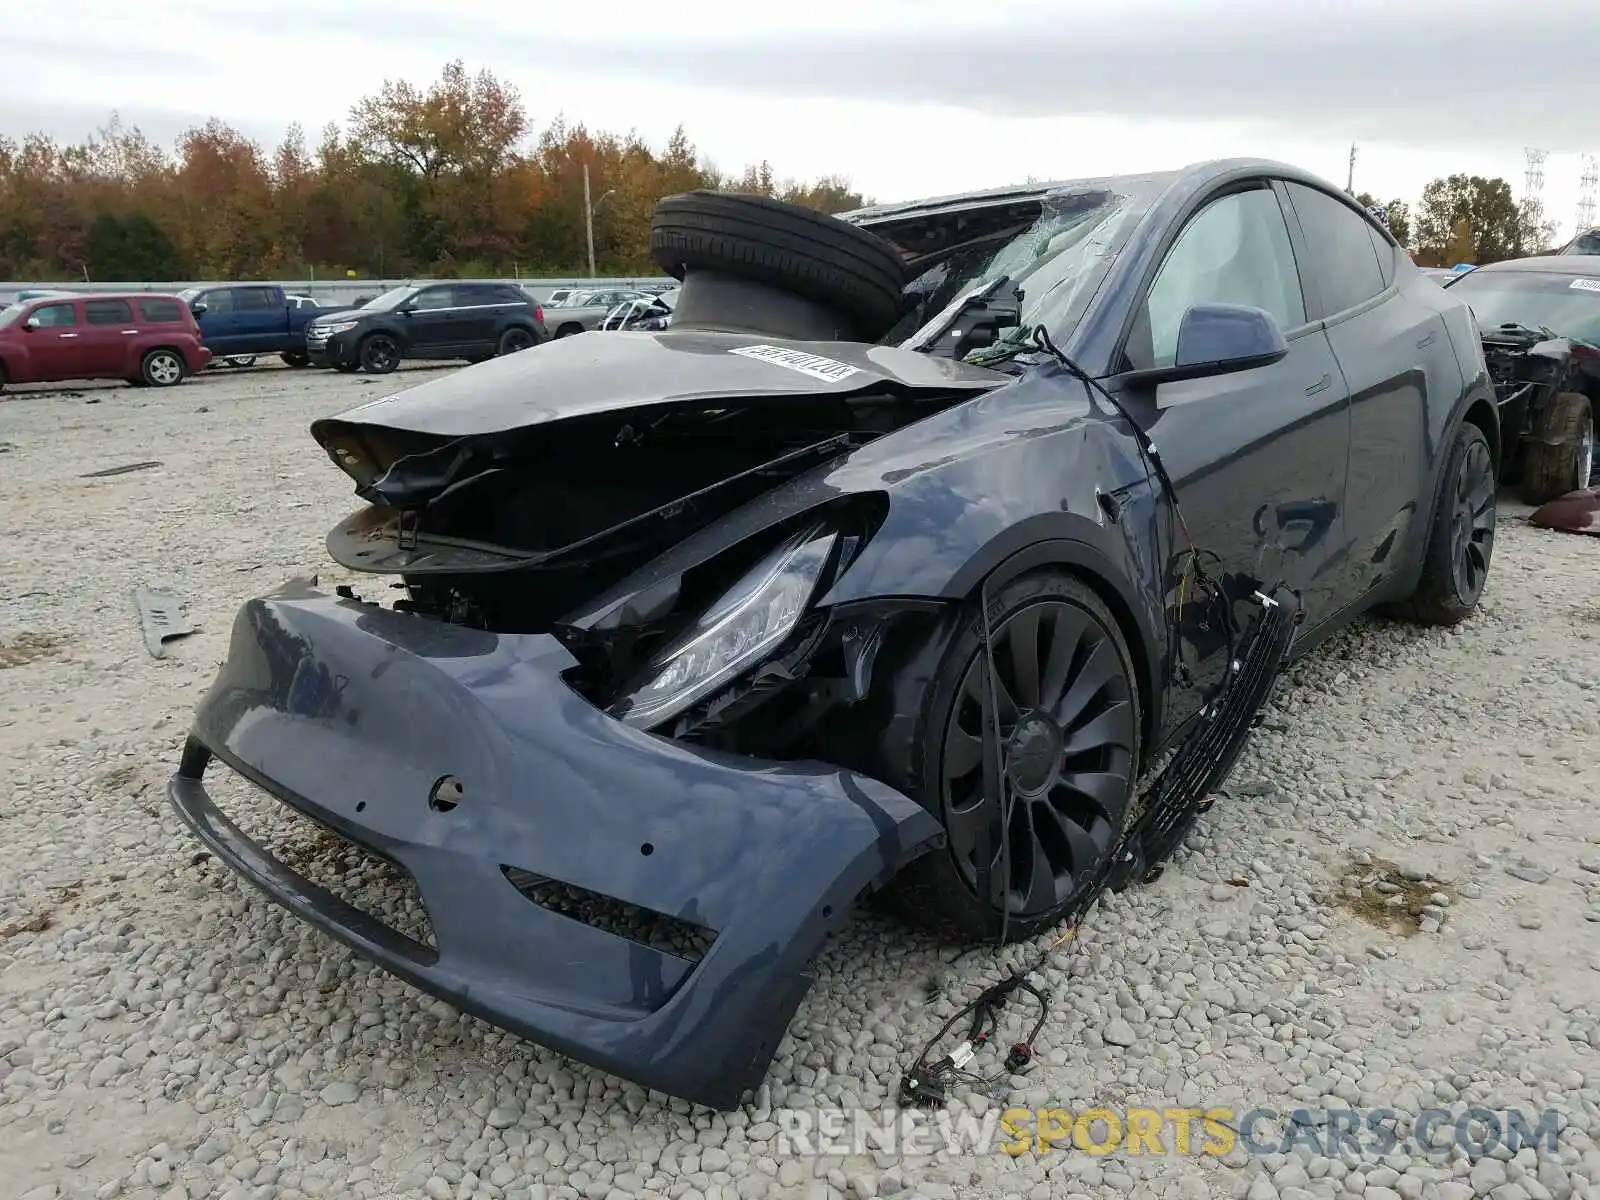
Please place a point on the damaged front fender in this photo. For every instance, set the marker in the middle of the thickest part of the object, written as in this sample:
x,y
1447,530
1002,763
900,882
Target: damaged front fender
x,y
357,716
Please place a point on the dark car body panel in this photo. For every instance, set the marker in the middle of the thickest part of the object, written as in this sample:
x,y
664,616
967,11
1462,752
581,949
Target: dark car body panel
x,y
342,708
1287,475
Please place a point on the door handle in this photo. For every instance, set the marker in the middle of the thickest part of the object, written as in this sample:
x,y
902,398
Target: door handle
x,y
1427,341
130,332
69,335
1320,385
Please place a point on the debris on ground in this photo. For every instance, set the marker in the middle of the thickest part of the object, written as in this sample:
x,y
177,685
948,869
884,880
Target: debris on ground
x,y
28,647
163,618
124,469
1400,900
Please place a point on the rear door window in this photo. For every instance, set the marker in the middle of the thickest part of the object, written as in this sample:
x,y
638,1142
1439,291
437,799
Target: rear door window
x,y
161,311
1342,259
108,312
54,316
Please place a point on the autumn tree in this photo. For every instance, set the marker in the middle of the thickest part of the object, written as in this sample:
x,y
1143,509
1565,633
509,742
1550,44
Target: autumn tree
x,y
1398,211
1480,215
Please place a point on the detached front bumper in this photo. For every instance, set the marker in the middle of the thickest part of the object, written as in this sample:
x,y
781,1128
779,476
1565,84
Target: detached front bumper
x,y
355,715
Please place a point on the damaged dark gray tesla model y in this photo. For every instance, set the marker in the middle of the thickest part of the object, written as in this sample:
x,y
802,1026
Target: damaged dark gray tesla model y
x,y
928,552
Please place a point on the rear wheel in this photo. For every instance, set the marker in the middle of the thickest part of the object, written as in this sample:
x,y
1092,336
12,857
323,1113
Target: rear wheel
x,y
1069,722
380,354
1460,537
1560,452
514,339
162,368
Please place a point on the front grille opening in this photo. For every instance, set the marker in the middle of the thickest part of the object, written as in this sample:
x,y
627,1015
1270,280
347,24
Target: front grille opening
x,y
643,926
367,881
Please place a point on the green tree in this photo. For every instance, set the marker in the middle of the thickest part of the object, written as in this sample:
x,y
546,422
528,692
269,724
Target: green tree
x,y
1399,215
1495,225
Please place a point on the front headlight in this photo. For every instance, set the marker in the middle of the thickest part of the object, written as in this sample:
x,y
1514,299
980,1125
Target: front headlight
x,y
749,620
336,327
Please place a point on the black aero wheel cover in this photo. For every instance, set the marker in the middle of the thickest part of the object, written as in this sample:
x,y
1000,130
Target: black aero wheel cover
x,y
1472,521
1064,694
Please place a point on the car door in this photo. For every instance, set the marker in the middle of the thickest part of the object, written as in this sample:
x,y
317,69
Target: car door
x,y
480,308
219,325
260,317
1258,457
54,332
107,332
433,323
1396,358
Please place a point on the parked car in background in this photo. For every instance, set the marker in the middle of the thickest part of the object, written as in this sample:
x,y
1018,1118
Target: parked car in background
x,y
1540,322
648,313
39,294
560,296
585,310
1584,243
247,319
146,338
302,301
474,321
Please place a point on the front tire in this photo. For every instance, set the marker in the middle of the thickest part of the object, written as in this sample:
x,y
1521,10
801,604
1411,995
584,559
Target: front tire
x,y
1455,568
380,354
1560,453
1068,703
162,368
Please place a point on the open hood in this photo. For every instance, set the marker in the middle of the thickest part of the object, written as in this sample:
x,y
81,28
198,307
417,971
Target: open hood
x,y
589,375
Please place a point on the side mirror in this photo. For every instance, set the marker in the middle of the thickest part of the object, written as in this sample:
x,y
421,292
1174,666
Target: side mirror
x,y
198,308
31,323
1219,339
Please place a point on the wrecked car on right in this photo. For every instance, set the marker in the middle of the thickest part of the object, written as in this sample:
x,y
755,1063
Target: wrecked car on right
x,y
1539,319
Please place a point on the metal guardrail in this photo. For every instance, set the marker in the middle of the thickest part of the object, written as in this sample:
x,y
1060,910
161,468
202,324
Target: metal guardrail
x,y
327,292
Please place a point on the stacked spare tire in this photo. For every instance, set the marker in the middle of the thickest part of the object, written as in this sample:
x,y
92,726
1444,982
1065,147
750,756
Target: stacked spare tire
x,y
749,264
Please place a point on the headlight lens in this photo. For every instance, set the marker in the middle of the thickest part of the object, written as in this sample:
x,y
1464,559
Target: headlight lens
x,y
337,327
750,619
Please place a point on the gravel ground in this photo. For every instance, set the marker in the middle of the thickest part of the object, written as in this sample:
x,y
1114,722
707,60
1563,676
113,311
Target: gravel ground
x,y
1400,907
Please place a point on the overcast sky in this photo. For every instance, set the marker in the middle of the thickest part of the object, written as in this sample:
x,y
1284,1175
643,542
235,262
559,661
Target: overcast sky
x,y
906,97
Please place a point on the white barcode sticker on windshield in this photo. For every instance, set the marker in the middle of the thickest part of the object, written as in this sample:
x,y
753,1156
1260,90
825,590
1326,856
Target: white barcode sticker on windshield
x,y
1588,285
826,369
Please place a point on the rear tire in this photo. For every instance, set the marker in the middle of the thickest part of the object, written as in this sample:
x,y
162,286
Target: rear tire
x,y
786,246
1074,745
1455,568
162,368
1560,453
514,340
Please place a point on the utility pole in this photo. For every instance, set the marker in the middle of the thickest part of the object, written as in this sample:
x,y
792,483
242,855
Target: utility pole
x,y
1350,179
588,218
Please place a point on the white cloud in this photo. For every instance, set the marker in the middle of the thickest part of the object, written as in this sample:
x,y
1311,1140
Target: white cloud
x,y
906,97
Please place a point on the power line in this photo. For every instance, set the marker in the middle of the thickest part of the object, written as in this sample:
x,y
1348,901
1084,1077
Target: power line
x,y
1533,180
1587,181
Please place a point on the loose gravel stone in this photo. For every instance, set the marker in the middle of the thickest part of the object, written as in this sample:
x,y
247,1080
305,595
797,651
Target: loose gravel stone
x,y
198,1041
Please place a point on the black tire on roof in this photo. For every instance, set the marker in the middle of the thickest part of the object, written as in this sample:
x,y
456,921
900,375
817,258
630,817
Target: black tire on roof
x,y
782,245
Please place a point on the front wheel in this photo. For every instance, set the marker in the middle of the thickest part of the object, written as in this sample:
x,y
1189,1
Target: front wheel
x,y
1460,537
380,354
514,339
162,368
1560,453
1068,705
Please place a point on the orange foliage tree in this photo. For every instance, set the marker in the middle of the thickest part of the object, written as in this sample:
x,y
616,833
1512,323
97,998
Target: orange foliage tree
x,y
446,180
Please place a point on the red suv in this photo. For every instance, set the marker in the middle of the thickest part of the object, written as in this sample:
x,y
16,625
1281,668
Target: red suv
x,y
149,340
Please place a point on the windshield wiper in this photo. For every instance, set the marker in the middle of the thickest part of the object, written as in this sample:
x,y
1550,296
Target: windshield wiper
x,y
976,321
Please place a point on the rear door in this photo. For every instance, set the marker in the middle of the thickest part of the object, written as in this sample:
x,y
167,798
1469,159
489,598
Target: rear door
x,y
481,308
1258,458
108,333
53,346
1396,361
